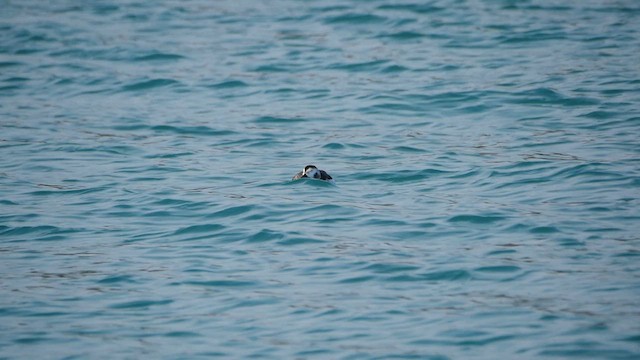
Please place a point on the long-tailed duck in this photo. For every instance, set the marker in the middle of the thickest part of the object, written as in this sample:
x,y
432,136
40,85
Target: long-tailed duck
x,y
311,171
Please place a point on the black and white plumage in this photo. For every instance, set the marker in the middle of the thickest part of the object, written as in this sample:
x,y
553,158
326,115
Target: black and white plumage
x,y
311,171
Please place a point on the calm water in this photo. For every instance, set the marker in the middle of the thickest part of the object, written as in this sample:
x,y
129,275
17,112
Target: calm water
x,y
486,159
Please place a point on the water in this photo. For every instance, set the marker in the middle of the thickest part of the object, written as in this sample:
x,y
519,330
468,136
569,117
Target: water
x,y
485,154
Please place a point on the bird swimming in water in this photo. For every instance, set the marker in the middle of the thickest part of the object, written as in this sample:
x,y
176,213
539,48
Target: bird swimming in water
x,y
311,171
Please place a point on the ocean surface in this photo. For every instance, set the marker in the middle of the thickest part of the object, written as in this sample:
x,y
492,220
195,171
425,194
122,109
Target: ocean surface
x,y
486,157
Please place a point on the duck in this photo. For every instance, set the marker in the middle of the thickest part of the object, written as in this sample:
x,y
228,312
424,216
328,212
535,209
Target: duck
x,y
311,171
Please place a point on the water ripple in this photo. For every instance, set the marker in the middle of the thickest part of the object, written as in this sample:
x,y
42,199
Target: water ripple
x,y
484,154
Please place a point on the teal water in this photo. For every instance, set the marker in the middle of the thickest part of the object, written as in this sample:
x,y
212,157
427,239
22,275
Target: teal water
x,y
485,153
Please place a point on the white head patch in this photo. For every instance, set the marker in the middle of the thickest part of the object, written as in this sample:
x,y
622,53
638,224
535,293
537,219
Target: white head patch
x,y
312,172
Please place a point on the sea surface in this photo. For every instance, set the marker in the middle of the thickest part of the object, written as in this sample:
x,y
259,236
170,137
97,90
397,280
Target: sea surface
x,y
486,157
